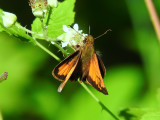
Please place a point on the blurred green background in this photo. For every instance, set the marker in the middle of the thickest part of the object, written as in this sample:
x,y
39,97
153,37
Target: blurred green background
x,y
131,54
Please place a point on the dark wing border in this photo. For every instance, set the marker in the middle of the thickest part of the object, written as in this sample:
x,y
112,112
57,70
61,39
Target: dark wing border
x,y
101,66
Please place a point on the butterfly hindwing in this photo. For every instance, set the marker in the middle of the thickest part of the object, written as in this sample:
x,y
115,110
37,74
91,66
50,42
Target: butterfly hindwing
x,y
94,77
101,66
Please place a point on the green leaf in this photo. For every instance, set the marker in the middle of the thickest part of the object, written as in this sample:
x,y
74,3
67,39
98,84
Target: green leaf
x,y
15,30
37,27
19,33
63,15
151,116
140,114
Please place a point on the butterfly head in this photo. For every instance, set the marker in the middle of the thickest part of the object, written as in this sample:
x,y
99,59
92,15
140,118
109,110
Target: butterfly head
x,y
89,39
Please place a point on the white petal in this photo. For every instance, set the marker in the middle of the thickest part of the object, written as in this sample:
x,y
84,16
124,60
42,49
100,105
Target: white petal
x,y
61,37
80,31
65,28
38,13
52,42
64,44
52,3
76,27
74,42
84,35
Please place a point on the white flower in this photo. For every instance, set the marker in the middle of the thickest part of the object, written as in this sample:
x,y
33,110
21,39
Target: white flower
x,y
64,44
52,42
72,36
8,19
52,3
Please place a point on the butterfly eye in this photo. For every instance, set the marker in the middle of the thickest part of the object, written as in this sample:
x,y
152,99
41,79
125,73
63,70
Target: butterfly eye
x,y
84,41
77,46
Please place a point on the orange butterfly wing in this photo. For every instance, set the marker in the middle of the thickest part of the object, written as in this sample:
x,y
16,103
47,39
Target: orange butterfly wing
x,y
64,70
94,77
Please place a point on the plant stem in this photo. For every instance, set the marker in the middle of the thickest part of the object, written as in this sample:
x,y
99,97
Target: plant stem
x,y
83,85
154,17
88,90
37,35
97,100
49,15
27,30
61,49
23,28
49,52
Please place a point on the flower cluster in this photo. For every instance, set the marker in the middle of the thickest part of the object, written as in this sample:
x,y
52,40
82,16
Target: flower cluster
x,y
72,36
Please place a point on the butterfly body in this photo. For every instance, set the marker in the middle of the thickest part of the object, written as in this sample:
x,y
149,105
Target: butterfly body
x,y
87,54
84,64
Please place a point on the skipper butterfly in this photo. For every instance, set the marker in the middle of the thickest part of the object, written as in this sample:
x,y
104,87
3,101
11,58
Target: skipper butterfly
x,y
85,64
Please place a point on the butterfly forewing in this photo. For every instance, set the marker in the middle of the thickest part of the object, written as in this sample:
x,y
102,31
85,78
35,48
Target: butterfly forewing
x,y
94,77
64,70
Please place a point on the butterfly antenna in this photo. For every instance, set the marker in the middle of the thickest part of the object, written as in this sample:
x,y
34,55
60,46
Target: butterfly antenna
x,y
74,29
103,33
89,30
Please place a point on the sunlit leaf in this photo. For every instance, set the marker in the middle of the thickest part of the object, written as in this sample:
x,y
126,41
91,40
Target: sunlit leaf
x,y
63,15
140,114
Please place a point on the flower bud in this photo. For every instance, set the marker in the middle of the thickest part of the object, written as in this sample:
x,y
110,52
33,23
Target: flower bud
x,y
9,19
39,8
52,3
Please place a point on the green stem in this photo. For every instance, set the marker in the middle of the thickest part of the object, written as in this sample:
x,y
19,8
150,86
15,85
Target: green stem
x,y
97,100
28,31
44,27
37,35
49,15
61,49
90,92
49,52
23,28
